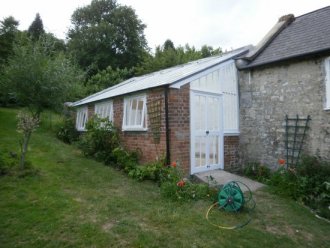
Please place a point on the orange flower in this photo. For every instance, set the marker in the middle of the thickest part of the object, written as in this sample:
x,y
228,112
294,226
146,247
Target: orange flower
x,y
181,183
281,162
173,164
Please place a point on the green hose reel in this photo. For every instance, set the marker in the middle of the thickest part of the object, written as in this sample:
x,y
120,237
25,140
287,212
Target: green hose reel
x,y
231,197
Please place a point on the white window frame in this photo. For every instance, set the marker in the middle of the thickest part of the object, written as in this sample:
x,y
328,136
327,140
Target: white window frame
x,y
327,83
142,126
104,110
81,118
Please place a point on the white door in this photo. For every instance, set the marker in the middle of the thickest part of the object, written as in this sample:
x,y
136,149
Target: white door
x,y
206,132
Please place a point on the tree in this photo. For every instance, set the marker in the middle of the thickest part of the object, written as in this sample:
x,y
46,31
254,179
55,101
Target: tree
x,y
168,44
26,125
208,51
36,28
107,78
167,56
40,78
104,34
8,31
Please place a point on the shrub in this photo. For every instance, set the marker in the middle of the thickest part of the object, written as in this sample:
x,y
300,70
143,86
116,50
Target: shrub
x,y
309,183
26,124
100,139
66,130
7,162
149,171
123,159
257,172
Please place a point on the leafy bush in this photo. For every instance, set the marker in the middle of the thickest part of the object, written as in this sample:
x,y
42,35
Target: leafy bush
x,y
66,130
257,172
123,159
151,171
309,183
100,139
7,162
172,182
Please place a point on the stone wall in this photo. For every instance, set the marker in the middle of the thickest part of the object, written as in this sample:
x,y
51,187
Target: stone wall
x,y
267,95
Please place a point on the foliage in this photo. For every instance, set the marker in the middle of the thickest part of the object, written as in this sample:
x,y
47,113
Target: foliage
x,y
107,78
7,161
168,56
36,29
39,77
26,124
172,182
104,34
186,190
257,172
8,31
178,188
308,182
154,171
122,159
66,130
100,139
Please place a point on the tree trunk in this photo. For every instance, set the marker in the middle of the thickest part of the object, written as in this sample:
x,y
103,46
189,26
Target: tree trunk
x,y
24,147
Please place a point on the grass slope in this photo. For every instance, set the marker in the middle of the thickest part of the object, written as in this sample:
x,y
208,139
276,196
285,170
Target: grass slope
x,y
77,202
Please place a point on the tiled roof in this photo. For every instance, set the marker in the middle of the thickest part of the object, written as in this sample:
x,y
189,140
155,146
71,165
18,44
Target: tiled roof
x,y
307,34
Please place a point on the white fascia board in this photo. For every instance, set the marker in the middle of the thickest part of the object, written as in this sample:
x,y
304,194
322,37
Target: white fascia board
x,y
191,78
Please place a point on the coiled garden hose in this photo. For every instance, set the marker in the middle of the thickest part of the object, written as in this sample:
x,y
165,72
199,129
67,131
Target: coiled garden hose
x,y
232,199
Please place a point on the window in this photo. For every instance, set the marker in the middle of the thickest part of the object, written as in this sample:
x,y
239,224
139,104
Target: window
x,y
135,117
104,110
327,83
81,118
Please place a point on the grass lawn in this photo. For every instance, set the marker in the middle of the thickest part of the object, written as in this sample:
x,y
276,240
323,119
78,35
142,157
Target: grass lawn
x,y
77,202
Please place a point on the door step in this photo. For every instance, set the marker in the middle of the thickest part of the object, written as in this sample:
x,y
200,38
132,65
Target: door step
x,y
222,177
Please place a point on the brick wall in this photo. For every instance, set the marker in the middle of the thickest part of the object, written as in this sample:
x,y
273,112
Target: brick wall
x,y
142,141
231,153
179,122
267,95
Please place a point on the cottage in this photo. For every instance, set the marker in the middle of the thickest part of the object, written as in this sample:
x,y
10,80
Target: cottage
x,y
188,113
287,73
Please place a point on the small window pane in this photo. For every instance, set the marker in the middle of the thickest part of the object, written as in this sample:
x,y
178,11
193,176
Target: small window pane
x,y
104,110
81,118
135,117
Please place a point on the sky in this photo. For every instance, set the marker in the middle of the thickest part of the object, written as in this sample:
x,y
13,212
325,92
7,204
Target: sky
x,y
227,24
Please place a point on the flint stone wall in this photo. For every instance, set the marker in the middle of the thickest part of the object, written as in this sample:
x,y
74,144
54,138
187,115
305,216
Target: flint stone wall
x,y
267,95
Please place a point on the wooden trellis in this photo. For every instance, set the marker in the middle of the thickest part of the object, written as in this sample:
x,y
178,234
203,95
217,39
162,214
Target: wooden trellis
x,y
295,133
155,118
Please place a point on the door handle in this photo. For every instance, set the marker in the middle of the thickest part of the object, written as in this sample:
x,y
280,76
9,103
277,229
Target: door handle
x,y
207,132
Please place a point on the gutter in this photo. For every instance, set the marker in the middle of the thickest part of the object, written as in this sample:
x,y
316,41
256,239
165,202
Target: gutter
x,y
167,128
